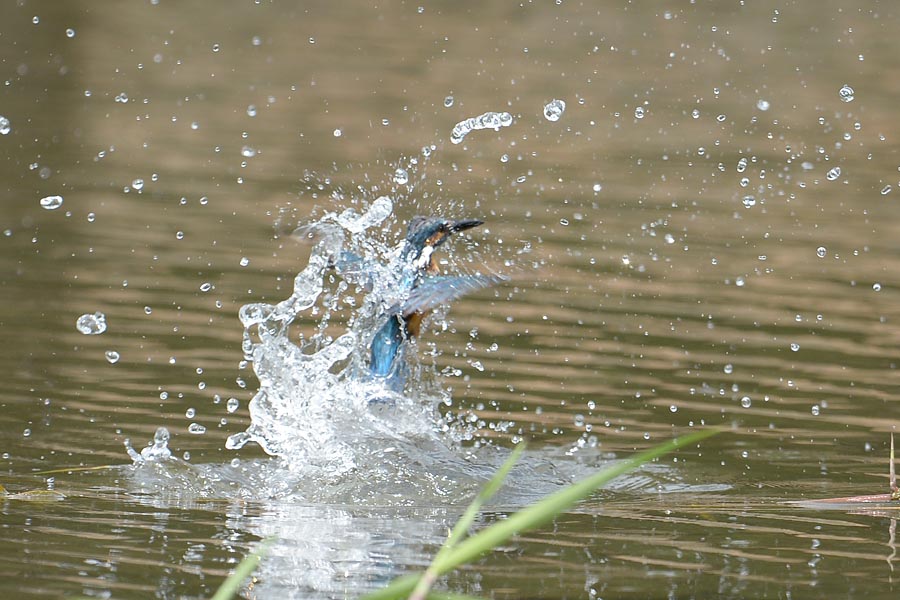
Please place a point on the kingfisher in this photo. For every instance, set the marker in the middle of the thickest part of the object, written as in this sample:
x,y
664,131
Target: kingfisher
x,y
412,286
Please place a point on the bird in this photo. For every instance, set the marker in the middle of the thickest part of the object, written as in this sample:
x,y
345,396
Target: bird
x,y
418,288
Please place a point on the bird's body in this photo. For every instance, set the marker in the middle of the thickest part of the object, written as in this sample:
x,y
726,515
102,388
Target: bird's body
x,y
420,288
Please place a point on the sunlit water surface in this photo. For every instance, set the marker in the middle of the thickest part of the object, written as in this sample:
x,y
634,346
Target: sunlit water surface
x,y
694,212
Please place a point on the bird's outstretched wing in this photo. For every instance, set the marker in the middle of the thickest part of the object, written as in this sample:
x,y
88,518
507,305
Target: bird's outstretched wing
x,y
434,291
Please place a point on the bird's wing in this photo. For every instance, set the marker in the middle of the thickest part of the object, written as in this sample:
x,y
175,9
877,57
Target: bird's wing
x,y
434,291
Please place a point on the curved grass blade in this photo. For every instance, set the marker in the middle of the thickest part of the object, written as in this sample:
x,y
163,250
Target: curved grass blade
x,y
465,521
534,515
245,568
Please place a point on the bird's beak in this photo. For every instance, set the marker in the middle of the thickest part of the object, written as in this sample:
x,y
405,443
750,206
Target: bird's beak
x,y
465,224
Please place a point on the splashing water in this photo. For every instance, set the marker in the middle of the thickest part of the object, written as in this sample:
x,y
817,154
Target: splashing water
x,y
313,407
488,120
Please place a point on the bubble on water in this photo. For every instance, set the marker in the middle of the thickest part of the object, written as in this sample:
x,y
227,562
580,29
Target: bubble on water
x,y
639,112
448,101
763,104
833,173
112,357
401,176
488,120
746,402
748,201
91,324
51,202
821,251
5,126
196,429
554,109
846,93
876,286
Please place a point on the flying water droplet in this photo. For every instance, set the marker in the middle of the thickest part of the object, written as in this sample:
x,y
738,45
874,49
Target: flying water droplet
x,y
448,101
833,173
763,105
112,357
488,120
5,126
846,93
748,201
554,109
196,429
91,324
639,112
401,176
51,202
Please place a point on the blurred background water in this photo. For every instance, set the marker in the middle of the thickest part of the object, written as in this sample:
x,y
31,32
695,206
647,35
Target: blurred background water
x,y
707,234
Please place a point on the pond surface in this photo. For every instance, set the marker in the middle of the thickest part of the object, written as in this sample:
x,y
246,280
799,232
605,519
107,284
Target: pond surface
x,y
707,233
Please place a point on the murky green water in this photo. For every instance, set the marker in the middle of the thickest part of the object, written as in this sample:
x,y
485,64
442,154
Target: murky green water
x,y
686,253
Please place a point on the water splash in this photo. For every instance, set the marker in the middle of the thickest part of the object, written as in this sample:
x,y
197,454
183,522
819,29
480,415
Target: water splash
x,y
313,404
488,120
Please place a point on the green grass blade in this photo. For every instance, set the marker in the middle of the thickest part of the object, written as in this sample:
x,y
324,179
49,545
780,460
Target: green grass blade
x,y
465,521
245,568
535,515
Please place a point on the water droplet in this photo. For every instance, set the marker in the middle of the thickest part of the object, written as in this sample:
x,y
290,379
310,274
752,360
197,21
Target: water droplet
x,y
814,410
190,413
488,120
196,429
876,286
639,112
35,20
70,33
763,104
51,202
554,109
673,408
748,201
729,369
833,173
401,176
147,310
579,420
232,405
886,190
5,126
122,98
138,184
695,113
216,47
597,187
91,324
112,357
91,217
846,93
669,238
795,347
721,118
244,261
821,251
248,152
746,402
742,165
448,101
206,286
338,133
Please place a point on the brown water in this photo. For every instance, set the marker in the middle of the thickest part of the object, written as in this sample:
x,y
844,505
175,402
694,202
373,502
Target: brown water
x,y
696,265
